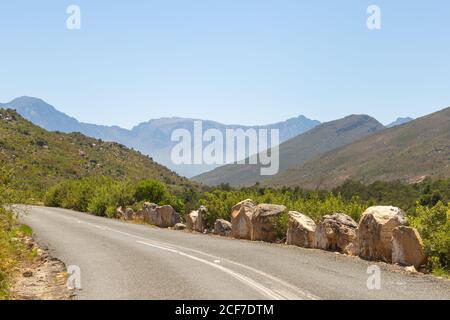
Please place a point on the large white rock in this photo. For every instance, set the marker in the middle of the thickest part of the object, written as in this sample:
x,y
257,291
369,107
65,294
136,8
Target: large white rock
x,y
335,232
149,213
222,227
168,216
301,230
196,220
161,216
407,247
191,220
375,231
264,221
241,215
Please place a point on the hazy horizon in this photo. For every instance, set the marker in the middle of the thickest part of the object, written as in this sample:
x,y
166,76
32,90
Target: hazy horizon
x,y
212,120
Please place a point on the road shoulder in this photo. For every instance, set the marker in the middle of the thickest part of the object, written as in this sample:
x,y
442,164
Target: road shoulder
x,y
41,278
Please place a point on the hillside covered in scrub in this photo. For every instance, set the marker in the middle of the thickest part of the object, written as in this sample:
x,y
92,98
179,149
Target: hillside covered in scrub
x,y
38,159
409,152
355,148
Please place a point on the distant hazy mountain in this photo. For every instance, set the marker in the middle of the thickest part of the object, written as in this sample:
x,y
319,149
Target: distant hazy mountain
x,y
298,150
151,138
48,117
399,121
409,153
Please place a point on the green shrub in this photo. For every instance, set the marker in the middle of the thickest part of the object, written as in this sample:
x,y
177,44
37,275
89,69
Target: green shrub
x,y
107,198
433,225
111,212
53,197
71,194
219,204
93,195
11,250
99,203
150,190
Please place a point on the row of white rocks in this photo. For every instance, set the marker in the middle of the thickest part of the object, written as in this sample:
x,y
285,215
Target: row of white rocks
x,y
381,234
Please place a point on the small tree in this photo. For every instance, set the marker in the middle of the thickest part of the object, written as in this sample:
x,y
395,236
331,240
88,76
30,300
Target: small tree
x,y
150,190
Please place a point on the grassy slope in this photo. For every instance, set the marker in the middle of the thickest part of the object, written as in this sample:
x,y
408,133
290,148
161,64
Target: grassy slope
x,y
407,153
39,159
298,150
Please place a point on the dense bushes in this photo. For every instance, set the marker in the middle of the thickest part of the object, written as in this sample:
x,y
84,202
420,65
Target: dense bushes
x,y
7,251
433,225
72,194
427,193
12,249
101,196
150,189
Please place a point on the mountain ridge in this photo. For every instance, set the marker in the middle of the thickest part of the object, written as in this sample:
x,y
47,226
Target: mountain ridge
x,y
151,137
322,138
408,153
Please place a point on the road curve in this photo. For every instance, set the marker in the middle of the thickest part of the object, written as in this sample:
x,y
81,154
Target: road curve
x,y
121,260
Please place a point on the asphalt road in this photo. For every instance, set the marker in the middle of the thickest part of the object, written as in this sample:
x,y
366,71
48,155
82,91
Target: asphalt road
x,y
121,260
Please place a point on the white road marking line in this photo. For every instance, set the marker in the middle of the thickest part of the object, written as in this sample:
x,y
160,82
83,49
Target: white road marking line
x,y
258,287
286,294
262,273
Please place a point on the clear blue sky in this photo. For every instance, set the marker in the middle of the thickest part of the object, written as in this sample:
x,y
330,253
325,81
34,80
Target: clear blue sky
x,y
234,61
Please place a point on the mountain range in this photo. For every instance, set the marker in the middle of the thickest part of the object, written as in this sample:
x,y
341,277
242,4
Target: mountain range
x,y
298,150
312,154
151,138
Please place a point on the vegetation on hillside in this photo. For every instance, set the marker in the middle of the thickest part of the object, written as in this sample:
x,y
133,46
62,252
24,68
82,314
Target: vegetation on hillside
x,y
12,248
406,196
40,159
101,196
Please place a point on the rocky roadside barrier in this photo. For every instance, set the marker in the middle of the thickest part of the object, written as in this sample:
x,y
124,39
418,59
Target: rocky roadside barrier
x,y
382,234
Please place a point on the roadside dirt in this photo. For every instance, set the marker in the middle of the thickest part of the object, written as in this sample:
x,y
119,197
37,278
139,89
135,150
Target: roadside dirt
x,y
42,278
